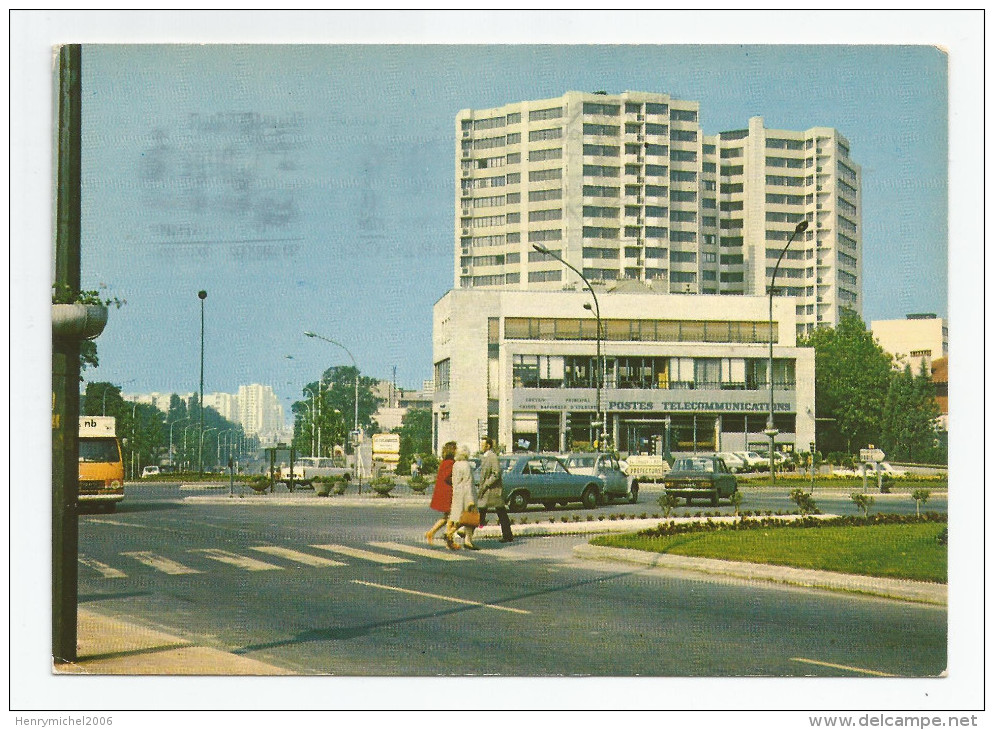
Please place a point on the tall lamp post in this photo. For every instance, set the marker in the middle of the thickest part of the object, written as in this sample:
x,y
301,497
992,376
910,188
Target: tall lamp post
x,y
601,418
355,421
171,438
771,431
202,434
200,454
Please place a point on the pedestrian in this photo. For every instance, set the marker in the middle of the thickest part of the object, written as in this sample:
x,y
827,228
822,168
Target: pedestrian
x,y
414,467
463,499
441,496
491,491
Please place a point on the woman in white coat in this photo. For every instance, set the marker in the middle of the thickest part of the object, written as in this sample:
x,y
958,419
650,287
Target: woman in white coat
x,y
463,497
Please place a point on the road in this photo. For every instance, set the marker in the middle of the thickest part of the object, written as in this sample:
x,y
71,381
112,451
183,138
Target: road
x,y
356,591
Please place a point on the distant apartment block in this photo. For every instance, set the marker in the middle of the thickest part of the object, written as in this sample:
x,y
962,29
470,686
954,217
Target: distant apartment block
x,y
913,340
255,408
629,187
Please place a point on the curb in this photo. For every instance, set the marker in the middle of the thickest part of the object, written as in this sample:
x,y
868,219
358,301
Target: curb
x,y
903,590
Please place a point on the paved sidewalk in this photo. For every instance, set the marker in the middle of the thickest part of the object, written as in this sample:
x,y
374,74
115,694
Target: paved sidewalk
x,y
904,590
110,646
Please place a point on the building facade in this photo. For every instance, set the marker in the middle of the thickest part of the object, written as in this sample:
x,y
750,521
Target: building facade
x,y
261,413
914,340
522,368
628,186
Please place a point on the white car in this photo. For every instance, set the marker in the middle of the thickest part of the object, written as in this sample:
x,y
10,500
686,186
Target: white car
x,y
733,461
753,460
871,471
150,471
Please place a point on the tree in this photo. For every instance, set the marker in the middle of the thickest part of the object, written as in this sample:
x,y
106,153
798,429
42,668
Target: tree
x,y
908,432
332,401
102,398
852,379
415,436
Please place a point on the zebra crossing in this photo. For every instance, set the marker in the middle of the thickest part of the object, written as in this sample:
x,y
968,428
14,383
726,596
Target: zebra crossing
x,y
260,558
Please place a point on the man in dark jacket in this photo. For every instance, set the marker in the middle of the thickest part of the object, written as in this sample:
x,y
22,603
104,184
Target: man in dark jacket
x,y
490,492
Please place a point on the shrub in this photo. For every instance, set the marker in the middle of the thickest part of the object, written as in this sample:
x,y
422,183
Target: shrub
x,y
382,486
260,483
736,500
804,501
668,502
921,497
863,501
418,484
943,537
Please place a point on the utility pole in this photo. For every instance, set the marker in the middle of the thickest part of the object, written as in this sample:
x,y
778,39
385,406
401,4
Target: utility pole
x,y
65,366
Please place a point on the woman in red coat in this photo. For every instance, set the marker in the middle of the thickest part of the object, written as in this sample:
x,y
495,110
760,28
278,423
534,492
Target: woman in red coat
x,y
441,497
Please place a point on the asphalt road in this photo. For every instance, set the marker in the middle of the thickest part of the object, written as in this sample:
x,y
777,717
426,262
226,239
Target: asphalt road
x,y
356,591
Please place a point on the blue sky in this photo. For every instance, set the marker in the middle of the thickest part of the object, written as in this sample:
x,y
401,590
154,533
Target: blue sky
x,y
309,187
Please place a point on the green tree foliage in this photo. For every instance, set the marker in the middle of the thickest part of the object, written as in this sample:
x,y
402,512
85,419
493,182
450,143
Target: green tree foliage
x,y
908,432
328,409
144,430
852,379
415,436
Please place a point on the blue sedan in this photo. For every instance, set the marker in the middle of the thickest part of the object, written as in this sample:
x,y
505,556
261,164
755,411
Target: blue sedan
x,y
544,478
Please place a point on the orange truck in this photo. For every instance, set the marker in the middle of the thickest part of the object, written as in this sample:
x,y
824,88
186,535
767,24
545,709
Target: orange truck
x,y
101,469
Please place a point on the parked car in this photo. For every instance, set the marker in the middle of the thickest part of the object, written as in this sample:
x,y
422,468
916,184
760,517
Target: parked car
x,y
530,478
704,477
306,468
754,462
733,461
607,468
150,471
871,471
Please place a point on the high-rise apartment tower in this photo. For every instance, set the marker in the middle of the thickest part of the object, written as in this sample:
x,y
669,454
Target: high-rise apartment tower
x,y
628,187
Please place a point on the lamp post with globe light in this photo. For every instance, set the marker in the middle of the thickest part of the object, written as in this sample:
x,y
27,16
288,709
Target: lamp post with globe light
x,y
601,422
771,431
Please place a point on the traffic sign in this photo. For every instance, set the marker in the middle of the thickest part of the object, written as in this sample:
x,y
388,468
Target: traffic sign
x,y
871,455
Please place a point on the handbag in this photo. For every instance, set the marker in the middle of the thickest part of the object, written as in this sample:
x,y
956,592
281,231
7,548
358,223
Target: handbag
x,y
470,517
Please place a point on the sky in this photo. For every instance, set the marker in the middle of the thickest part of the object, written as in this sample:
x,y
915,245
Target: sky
x,y
310,187
341,221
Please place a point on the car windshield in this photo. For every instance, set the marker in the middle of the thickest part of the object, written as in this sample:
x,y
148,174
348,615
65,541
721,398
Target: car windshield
x,y
703,465
98,450
506,464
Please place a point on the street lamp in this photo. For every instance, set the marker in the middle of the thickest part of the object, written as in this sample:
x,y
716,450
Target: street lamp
x,y
202,434
601,418
103,400
355,422
171,438
771,431
200,457
667,421
219,435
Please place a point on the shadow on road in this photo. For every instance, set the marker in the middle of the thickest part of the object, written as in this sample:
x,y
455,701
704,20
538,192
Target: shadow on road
x,y
352,632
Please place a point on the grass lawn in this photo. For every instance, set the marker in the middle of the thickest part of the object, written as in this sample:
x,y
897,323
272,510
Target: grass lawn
x,y
893,551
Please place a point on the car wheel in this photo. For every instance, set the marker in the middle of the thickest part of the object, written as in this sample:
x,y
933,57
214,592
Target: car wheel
x,y
590,497
518,501
549,504
633,493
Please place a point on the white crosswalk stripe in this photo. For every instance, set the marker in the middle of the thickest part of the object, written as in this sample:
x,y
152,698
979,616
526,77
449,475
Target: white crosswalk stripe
x,y
362,554
298,557
239,561
422,552
160,563
105,570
